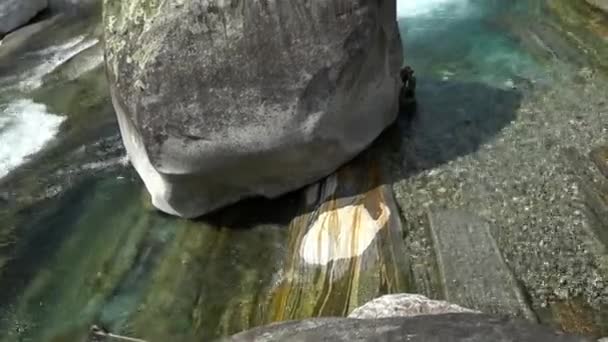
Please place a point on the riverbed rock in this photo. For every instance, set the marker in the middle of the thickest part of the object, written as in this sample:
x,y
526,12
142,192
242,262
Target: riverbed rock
x,y
219,101
16,13
599,4
405,305
431,328
471,266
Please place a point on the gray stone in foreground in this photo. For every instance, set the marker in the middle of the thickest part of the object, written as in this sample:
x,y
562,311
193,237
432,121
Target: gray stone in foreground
x,y
405,305
434,328
16,13
471,266
219,101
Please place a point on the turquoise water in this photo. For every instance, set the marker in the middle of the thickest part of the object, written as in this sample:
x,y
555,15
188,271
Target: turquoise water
x,y
465,40
97,252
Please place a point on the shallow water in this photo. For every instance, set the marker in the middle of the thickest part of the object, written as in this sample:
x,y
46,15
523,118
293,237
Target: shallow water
x,y
80,243
501,98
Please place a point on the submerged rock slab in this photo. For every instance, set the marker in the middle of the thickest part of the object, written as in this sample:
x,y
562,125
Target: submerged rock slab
x,y
15,13
449,327
247,244
592,180
471,266
218,101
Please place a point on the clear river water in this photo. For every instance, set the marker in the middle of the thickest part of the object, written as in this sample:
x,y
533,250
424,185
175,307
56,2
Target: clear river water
x,y
512,101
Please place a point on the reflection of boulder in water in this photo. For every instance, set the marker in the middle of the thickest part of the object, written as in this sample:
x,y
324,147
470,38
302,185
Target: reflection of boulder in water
x,y
266,97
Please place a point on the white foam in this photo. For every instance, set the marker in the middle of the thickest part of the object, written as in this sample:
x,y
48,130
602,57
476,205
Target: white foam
x,y
417,8
25,127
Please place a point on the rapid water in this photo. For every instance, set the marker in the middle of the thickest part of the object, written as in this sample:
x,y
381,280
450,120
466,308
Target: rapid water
x,y
25,127
82,245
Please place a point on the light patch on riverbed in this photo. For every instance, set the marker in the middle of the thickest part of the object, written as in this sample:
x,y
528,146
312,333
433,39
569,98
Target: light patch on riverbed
x,y
25,127
345,229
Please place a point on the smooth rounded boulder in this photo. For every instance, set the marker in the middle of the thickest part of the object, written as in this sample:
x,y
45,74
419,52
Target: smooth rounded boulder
x,y
455,327
405,305
223,100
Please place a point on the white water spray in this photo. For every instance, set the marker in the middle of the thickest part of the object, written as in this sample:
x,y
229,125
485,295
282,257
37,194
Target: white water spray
x,y
25,127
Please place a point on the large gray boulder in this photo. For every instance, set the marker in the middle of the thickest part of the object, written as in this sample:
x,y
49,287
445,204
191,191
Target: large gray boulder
x,y
16,13
433,328
222,100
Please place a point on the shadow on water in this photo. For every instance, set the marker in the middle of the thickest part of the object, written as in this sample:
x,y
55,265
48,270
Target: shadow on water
x,y
256,212
452,119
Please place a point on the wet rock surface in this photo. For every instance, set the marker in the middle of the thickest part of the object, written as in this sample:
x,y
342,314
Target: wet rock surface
x,y
16,13
405,305
450,327
287,91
